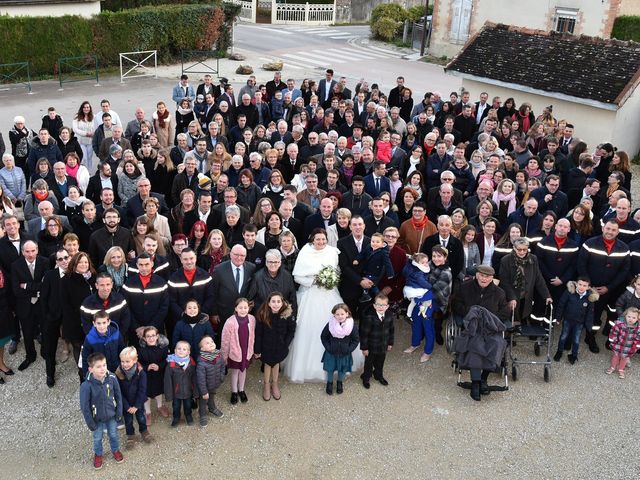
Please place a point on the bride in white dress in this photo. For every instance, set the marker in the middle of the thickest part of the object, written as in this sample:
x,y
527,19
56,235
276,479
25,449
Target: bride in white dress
x,y
304,363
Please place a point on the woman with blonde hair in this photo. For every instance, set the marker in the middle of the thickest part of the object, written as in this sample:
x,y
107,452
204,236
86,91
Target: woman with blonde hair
x,y
115,264
536,139
221,156
214,251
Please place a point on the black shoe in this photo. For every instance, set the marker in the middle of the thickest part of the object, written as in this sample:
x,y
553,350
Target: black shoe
x,y
475,390
484,388
25,364
439,338
175,422
557,356
234,398
189,420
329,388
243,397
339,389
13,347
593,346
51,382
8,372
365,383
1,381
572,359
382,381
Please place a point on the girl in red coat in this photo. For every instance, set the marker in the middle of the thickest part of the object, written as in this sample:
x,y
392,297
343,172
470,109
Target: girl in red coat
x,y
624,340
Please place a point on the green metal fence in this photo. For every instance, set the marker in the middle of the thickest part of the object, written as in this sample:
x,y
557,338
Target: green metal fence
x,y
78,69
15,74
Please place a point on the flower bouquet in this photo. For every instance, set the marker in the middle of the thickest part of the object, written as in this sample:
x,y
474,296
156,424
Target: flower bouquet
x,y
327,278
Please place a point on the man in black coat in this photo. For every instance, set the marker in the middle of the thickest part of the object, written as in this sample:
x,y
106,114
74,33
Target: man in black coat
x,y
353,248
231,280
103,177
550,197
60,182
84,227
134,204
321,219
293,224
111,235
26,281
377,221
52,313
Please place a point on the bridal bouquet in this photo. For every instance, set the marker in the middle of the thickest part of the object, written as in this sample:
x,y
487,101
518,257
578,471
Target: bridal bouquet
x,y
327,278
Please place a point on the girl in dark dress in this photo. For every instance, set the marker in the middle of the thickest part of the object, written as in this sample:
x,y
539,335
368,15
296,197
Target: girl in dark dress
x,y
154,349
275,328
238,337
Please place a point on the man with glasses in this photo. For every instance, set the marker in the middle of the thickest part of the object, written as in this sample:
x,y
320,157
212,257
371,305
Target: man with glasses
x,y
311,195
232,279
52,315
416,230
146,295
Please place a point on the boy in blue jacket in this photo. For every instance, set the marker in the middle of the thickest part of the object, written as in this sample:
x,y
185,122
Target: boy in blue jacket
x,y
376,264
133,385
101,406
104,337
575,310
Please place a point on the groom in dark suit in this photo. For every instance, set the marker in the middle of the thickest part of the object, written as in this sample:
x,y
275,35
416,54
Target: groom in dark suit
x,y
231,280
353,249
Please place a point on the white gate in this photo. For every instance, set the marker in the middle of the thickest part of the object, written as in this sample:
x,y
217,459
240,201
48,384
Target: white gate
x,y
135,62
303,13
249,9
461,21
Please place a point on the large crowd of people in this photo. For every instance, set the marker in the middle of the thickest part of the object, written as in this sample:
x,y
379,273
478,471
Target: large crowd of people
x,y
293,224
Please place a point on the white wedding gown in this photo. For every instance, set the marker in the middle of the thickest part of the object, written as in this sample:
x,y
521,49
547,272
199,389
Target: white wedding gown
x,y
304,362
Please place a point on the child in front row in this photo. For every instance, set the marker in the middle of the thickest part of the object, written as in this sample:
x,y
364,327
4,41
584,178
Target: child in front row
x,y
154,349
133,385
179,382
192,327
275,328
101,405
624,339
238,337
339,339
376,264
209,376
575,310
376,339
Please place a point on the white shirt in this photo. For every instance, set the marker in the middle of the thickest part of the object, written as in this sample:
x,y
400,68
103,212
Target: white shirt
x,y
204,216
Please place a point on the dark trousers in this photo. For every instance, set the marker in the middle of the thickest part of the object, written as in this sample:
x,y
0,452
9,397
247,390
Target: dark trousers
x,y
140,417
184,403
478,375
16,328
204,405
374,365
29,322
570,331
50,337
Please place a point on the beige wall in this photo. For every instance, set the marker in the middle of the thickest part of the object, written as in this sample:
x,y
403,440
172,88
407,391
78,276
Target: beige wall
x,y
593,125
629,7
592,18
625,134
84,9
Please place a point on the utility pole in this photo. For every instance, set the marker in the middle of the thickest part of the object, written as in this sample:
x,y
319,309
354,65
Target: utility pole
x,y
424,27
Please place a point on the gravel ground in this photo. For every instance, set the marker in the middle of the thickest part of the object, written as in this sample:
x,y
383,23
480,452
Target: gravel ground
x,y
422,423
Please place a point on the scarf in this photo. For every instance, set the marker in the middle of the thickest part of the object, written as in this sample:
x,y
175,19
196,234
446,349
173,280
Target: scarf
x,y
419,225
72,172
41,196
131,372
183,111
340,330
521,263
209,356
216,259
510,198
162,119
413,165
191,320
117,275
74,203
533,173
608,244
181,361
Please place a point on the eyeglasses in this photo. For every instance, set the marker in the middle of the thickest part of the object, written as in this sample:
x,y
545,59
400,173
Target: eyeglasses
x,y
273,262
151,336
380,305
61,259
386,235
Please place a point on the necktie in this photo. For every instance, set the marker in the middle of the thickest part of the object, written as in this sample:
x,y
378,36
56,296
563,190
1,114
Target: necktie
x,y
444,243
359,245
286,223
238,278
32,270
378,185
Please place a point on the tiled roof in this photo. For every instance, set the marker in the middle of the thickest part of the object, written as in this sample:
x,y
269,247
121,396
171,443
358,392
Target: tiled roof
x,y
578,66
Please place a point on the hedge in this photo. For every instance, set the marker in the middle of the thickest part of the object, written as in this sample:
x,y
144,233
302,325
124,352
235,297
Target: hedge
x,y
627,27
166,28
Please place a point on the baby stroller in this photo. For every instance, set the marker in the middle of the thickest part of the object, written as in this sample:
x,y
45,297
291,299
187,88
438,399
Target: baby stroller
x,y
479,344
541,335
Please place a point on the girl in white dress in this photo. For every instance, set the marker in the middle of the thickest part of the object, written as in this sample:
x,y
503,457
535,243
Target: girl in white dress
x,y
304,363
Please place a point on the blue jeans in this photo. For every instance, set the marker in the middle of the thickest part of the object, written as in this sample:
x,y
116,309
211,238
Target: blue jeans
x,y
573,331
140,417
186,404
112,431
422,327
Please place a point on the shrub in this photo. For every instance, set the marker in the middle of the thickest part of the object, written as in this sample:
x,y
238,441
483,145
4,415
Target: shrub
x,y
386,29
166,28
626,27
391,11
